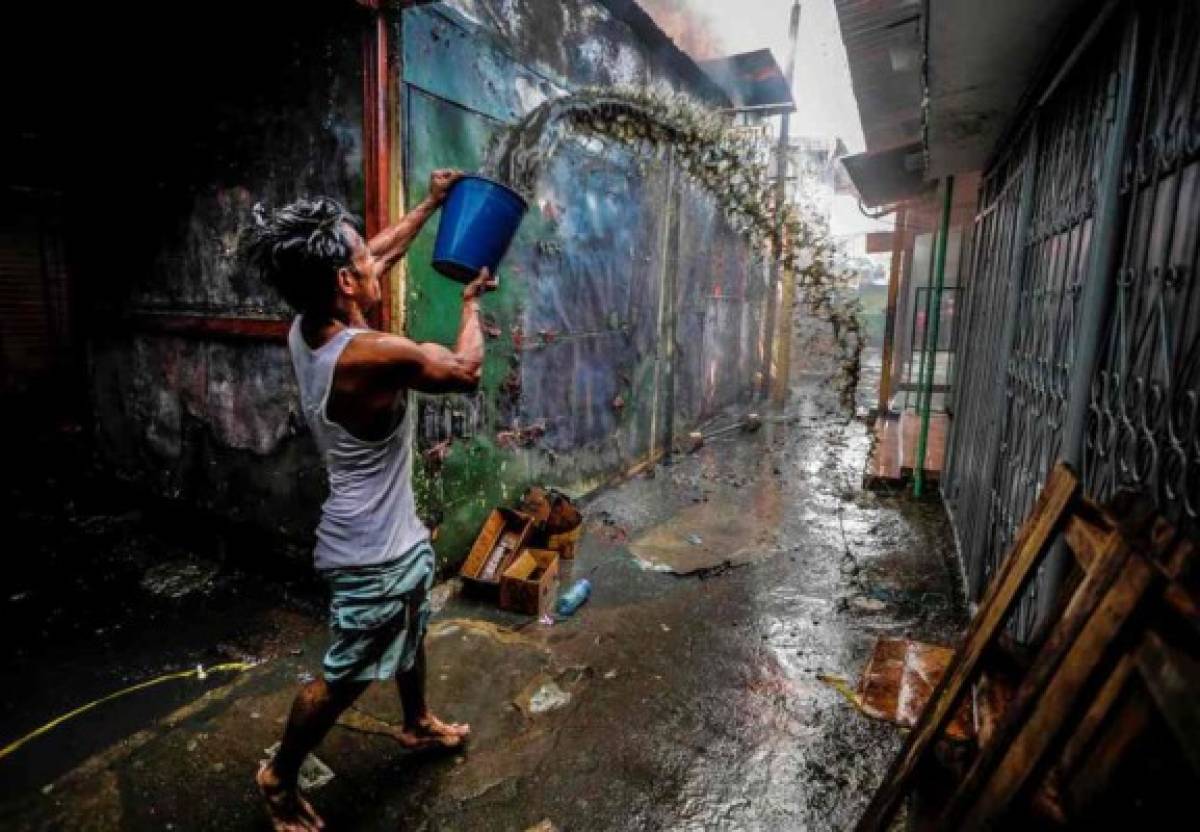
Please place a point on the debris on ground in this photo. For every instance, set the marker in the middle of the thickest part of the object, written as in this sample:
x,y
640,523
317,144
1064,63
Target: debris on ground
x,y
842,686
515,558
442,594
574,597
606,527
177,579
865,603
313,772
546,697
551,690
899,679
530,584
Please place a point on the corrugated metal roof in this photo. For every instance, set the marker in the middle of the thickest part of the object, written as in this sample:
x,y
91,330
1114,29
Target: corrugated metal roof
x,y
982,57
888,176
634,16
884,49
752,80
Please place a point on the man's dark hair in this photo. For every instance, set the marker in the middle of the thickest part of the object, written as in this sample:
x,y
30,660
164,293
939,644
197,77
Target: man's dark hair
x,y
300,248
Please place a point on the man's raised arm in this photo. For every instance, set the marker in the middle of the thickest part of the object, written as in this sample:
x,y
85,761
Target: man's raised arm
x,y
432,368
390,244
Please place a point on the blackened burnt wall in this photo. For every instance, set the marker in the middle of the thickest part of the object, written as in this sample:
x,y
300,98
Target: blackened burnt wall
x,y
160,140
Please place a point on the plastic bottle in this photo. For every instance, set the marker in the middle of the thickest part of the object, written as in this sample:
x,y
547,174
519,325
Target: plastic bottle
x,y
574,597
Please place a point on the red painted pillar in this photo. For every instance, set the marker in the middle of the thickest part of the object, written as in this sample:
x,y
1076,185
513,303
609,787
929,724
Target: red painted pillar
x,y
377,138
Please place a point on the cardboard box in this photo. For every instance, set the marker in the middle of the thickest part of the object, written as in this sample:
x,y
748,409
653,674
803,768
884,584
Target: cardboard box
x,y
557,522
536,503
530,584
565,543
501,539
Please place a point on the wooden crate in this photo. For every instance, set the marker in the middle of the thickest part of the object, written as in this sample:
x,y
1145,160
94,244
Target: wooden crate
x,y
530,584
501,539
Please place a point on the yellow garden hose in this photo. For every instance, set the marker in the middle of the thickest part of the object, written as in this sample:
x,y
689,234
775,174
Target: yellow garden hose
x,y
198,671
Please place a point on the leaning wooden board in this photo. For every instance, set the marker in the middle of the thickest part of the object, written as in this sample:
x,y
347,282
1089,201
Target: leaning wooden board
x,y
1032,542
1043,705
1097,679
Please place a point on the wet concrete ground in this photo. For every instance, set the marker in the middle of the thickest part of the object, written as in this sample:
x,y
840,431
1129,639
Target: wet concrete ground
x,y
667,702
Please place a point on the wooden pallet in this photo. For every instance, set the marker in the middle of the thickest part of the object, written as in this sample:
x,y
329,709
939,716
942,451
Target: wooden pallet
x,y
1060,736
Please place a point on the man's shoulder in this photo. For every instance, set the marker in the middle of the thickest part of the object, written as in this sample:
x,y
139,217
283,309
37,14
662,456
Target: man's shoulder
x,y
376,341
373,355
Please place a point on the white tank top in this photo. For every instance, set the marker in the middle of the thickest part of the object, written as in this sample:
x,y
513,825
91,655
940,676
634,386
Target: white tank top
x,y
370,516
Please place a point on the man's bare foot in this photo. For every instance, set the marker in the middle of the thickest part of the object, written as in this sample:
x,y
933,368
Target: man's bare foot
x,y
432,725
429,731
288,809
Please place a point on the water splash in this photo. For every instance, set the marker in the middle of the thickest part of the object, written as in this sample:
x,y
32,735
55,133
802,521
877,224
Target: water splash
x,y
729,162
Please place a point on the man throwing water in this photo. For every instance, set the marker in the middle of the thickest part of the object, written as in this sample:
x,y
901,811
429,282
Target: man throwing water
x,y
371,547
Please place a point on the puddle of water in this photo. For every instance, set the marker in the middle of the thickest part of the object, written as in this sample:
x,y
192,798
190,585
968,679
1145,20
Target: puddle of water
x,y
708,535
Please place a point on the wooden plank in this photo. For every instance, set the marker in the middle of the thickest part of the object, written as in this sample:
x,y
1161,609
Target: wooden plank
x,y
1030,546
1177,552
1183,604
1085,735
214,328
993,692
1129,722
894,452
889,326
1173,678
1003,769
1047,806
377,68
1085,533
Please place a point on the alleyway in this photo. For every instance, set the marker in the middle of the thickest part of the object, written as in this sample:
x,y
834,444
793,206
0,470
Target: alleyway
x,y
842,324
669,702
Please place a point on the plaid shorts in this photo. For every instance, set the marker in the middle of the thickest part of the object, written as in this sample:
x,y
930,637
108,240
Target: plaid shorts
x,y
378,616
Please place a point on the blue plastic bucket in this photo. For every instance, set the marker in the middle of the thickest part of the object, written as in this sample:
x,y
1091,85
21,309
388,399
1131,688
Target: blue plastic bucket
x,y
479,219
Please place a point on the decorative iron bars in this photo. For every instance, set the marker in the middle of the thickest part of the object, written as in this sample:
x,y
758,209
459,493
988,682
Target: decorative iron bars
x,y
1145,398
1045,283
1072,132
982,346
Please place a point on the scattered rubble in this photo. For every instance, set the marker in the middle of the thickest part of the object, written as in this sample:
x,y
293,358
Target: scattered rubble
x,y
313,772
177,579
547,696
